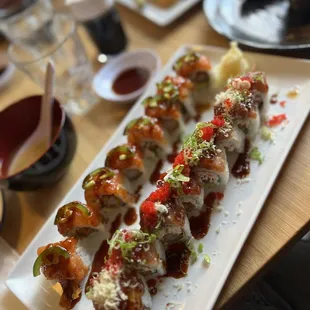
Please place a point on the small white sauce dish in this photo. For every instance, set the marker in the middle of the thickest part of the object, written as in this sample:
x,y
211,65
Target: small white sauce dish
x,y
105,77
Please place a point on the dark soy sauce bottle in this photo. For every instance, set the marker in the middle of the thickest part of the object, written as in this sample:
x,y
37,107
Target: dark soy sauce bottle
x,y
102,21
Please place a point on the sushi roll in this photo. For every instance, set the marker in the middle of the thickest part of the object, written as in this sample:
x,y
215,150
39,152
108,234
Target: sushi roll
x,y
76,219
260,88
256,83
239,105
206,159
228,135
186,187
168,113
140,251
116,287
164,217
106,190
179,89
147,135
128,159
197,68
61,262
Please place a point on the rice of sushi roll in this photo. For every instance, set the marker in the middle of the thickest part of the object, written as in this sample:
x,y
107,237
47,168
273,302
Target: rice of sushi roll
x,y
76,219
146,134
140,251
228,135
116,287
128,159
180,89
239,105
197,68
163,216
107,190
260,90
60,262
205,158
168,113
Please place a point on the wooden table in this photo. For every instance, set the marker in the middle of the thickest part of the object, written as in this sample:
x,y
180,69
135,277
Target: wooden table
x,y
284,218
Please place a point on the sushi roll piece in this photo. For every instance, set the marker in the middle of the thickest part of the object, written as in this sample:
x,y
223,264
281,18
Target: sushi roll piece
x,y
61,262
179,89
164,217
206,159
197,68
228,135
139,251
256,83
186,187
128,159
260,88
239,105
147,135
168,113
107,190
116,287
76,219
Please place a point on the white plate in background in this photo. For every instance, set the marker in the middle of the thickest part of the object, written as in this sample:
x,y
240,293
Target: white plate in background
x,y
242,201
157,15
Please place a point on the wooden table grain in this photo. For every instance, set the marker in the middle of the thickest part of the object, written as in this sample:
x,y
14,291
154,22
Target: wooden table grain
x,y
284,218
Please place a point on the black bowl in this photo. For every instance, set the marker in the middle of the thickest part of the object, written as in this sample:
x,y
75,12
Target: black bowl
x,y
17,123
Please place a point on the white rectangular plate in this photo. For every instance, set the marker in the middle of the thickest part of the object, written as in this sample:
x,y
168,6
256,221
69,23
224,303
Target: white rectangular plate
x,y
159,16
241,204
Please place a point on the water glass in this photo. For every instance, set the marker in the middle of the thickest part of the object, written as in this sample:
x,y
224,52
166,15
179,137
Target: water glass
x,y
73,70
27,22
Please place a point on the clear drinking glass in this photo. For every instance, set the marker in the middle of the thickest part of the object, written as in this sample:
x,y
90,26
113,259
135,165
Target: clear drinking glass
x,y
28,22
73,70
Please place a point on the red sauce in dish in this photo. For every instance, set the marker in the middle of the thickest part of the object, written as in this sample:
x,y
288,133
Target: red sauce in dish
x,y
130,216
177,259
156,173
241,168
130,80
152,285
200,224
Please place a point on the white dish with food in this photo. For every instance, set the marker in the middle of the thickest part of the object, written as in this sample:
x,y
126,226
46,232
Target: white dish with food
x,y
145,63
231,220
163,14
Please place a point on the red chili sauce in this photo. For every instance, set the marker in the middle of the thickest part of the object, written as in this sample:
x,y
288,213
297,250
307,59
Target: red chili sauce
x,y
130,80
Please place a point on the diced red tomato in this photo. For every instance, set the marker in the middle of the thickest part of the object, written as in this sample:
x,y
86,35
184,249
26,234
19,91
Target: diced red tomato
x,y
277,120
207,133
218,121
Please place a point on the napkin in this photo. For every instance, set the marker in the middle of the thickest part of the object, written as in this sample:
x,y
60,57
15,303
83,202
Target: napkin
x,y
8,258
